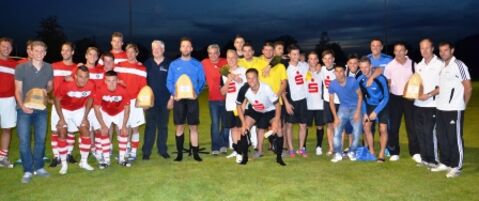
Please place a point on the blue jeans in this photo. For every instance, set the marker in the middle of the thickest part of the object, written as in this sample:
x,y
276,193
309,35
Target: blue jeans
x,y
38,119
346,115
219,134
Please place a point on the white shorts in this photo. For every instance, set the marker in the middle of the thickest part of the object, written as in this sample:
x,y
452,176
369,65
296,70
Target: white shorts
x,y
8,112
73,119
137,116
108,119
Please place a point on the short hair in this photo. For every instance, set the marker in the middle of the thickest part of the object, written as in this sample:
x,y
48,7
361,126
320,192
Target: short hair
x,y
293,47
252,70
276,43
270,44
111,73
353,56
132,45
326,52
238,36
401,43
231,51
214,46
444,43
5,39
83,68
365,59
248,44
184,38
28,43
340,66
72,45
427,39
313,52
376,39
92,48
38,43
117,34
158,42
107,54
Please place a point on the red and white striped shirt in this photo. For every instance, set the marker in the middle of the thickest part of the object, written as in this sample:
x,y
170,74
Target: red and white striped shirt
x,y
73,97
133,76
112,102
60,71
7,76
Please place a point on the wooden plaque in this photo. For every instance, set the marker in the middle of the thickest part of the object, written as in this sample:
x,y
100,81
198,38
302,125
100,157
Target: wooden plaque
x,y
36,99
413,87
145,98
184,88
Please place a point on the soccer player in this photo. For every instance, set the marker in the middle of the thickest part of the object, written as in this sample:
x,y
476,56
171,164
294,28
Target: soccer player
x,y
374,106
132,73
231,85
73,102
454,93
216,101
314,100
349,94
108,61
327,75
295,101
33,74
186,110
116,48
112,107
265,111
8,114
61,70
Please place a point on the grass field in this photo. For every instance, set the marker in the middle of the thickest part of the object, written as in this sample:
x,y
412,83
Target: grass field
x,y
217,178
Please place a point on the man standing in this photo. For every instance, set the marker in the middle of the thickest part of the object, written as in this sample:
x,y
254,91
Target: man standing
x,y
398,72
8,114
216,101
378,59
186,110
157,116
314,99
425,112
454,93
29,75
348,92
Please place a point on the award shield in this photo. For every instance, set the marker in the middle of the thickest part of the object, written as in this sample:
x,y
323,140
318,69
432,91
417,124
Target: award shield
x,y
145,98
36,99
184,88
413,87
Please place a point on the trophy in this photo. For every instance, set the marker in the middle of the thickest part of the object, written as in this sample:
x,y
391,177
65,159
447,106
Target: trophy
x,y
145,98
36,98
184,88
413,87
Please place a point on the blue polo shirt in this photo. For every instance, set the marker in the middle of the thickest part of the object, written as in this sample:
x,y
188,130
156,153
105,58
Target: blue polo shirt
x,y
193,68
380,62
375,95
347,94
156,79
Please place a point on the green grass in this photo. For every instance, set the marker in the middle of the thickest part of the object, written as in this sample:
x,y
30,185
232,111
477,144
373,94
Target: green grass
x,y
216,178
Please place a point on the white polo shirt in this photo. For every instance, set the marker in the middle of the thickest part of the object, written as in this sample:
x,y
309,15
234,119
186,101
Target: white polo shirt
x,y
314,101
262,101
327,76
297,80
430,79
233,88
451,89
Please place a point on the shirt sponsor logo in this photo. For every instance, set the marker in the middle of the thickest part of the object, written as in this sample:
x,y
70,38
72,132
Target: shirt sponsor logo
x,y
112,99
298,78
313,87
78,94
258,106
231,87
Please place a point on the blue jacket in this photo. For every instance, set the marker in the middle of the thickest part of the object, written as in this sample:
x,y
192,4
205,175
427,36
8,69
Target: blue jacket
x,y
193,68
375,95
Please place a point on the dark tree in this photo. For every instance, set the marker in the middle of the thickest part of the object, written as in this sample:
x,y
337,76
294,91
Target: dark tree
x,y
81,47
326,44
52,34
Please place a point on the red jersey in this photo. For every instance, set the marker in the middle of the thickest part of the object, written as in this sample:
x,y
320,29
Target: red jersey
x,y
96,75
74,97
60,71
7,76
213,78
119,57
112,102
133,76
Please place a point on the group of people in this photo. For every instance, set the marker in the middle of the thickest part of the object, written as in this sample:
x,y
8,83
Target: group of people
x,y
251,98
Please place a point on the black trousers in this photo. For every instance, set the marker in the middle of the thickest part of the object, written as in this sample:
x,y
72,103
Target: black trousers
x,y
449,137
425,129
156,124
397,107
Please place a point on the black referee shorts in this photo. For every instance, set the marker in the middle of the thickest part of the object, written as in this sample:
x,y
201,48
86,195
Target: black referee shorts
x,y
186,111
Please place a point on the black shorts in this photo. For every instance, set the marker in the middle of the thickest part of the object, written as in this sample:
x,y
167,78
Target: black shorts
x,y
315,116
232,121
327,115
382,117
262,120
299,112
186,111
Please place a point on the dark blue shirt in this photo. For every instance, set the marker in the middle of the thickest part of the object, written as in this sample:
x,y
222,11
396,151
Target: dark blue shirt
x,y
375,95
156,79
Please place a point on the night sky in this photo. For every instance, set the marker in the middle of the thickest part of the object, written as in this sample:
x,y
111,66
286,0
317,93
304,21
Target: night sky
x,y
351,23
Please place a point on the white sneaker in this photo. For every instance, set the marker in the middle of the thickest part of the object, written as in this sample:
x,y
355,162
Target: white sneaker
x,y
64,168
394,158
319,151
439,168
453,172
84,165
351,156
234,154
417,158
239,158
337,157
